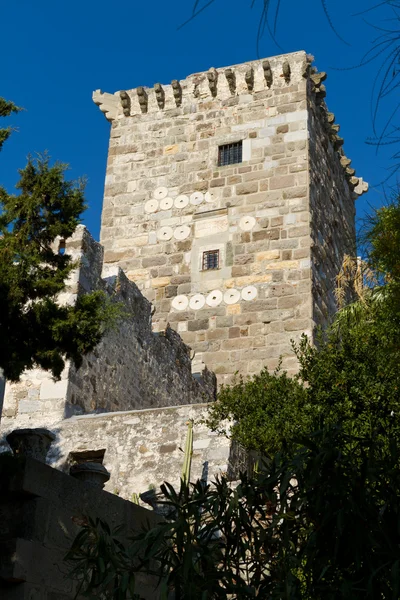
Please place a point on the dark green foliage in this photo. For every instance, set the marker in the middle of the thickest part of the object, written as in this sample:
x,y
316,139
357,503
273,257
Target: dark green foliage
x,y
101,563
315,525
34,329
6,108
351,379
263,411
383,240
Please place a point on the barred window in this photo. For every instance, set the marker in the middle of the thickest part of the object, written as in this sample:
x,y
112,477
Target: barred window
x,y
210,260
229,154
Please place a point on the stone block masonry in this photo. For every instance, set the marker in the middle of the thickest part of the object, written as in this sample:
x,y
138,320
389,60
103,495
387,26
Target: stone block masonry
x,y
41,509
132,367
279,217
143,448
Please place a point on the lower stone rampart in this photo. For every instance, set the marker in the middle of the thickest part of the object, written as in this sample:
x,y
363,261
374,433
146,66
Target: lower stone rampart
x,y
141,448
41,509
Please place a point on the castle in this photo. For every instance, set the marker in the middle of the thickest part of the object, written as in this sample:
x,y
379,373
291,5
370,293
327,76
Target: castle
x,y
228,208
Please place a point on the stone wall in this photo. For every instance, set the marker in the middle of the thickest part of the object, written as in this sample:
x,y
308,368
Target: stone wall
x,y
143,448
167,202
132,367
331,201
39,508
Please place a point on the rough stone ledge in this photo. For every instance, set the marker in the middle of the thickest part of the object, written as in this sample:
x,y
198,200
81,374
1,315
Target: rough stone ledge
x,y
126,413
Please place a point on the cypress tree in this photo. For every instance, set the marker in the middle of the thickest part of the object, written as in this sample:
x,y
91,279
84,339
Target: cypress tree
x,y
35,330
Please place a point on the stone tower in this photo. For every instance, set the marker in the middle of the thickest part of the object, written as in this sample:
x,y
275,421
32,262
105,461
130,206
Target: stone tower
x,y
230,203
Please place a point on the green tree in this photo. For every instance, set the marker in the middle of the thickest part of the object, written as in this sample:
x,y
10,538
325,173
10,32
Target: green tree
x,y
35,330
6,108
262,412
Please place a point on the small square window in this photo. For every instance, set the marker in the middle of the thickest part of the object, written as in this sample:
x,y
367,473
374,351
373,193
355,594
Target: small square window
x,y
210,260
230,154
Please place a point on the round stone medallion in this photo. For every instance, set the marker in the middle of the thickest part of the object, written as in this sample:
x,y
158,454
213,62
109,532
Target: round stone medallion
x,y
214,298
197,301
231,296
247,223
211,196
196,198
165,233
182,232
249,292
181,201
166,203
160,193
180,302
151,206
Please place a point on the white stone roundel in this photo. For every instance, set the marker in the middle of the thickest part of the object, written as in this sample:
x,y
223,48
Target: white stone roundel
x,y
160,193
182,232
151,206
211,196
231,296
196,198
166,203
180,302
197,301
181,201
247,223
214,298
165,233
249,292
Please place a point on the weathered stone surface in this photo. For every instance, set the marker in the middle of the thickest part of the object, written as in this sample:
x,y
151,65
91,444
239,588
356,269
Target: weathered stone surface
x,y
141,447
132,367
41,511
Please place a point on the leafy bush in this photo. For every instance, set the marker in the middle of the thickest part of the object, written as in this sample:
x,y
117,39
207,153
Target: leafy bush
x,y
321,524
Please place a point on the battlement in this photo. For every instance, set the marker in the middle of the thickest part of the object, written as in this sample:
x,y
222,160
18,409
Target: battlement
x,y
223,84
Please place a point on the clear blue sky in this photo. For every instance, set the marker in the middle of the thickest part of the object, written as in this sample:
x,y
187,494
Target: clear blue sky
x,y
54,54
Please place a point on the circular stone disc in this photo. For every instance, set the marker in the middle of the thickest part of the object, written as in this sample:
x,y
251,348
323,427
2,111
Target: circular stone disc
x,y
197,301
165,233
166,203
181,201
231,296
247,223
249,292
214,298
182,232
151,206
180,302
196,198
211,196
160,193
